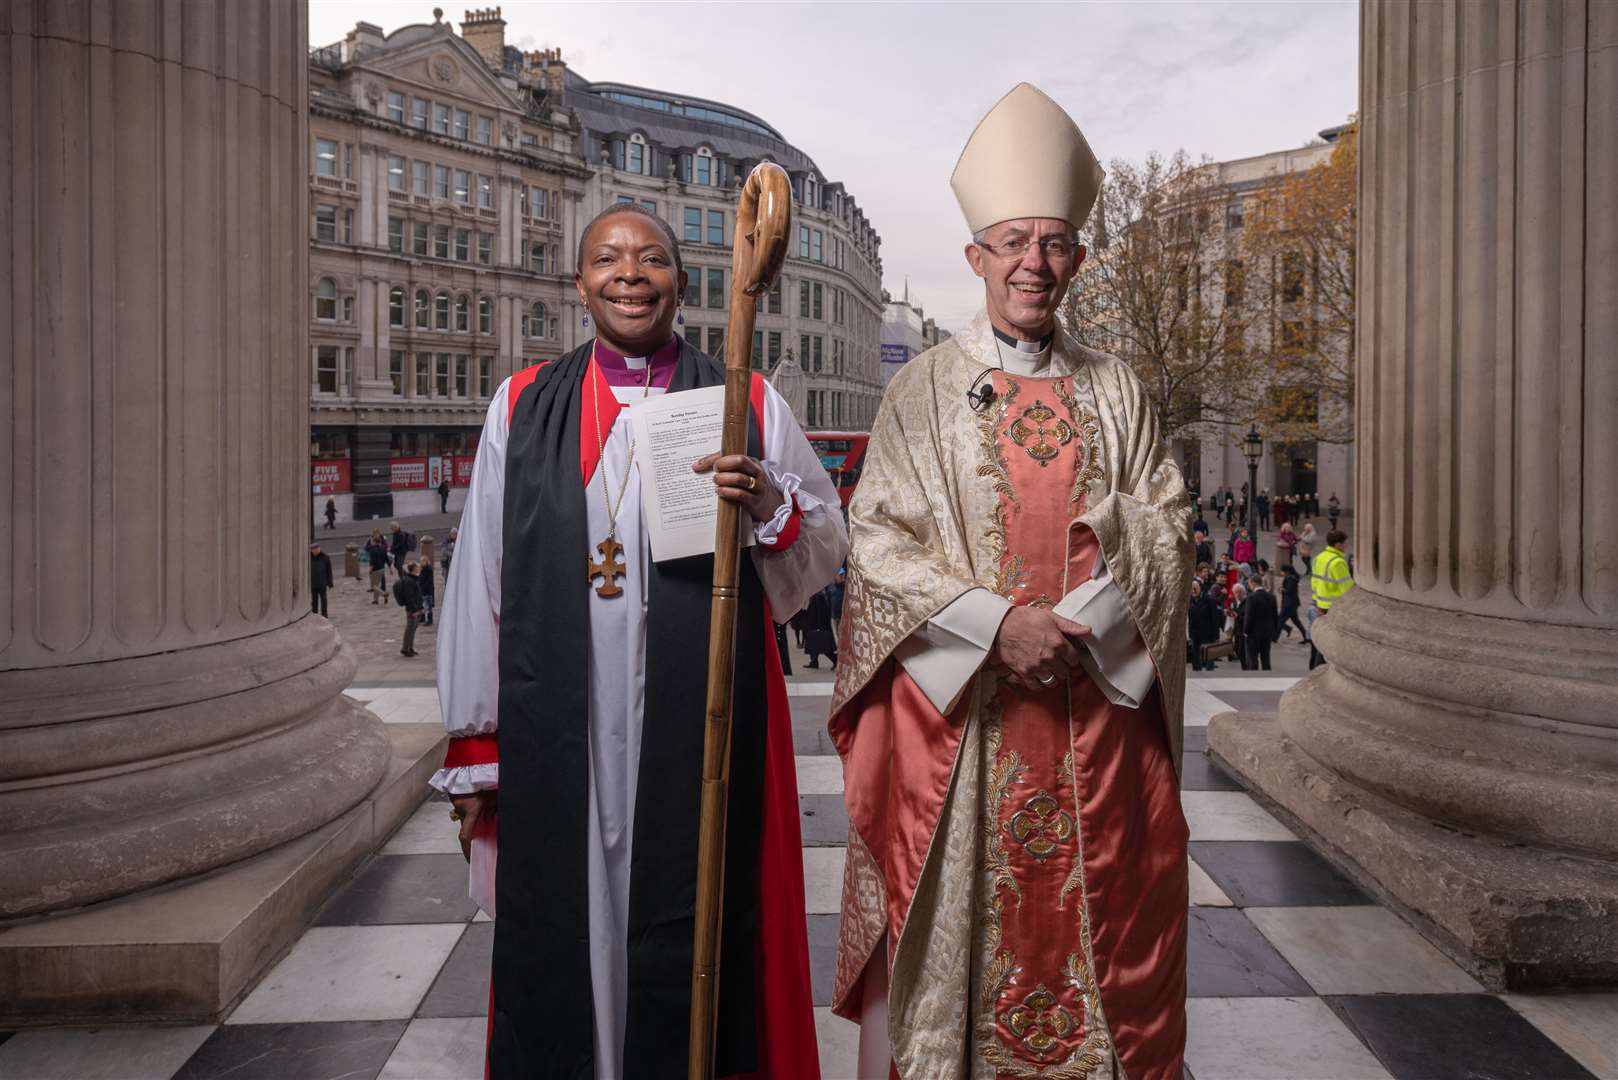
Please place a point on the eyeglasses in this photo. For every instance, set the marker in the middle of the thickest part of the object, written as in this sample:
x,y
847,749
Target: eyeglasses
x,y
1054,248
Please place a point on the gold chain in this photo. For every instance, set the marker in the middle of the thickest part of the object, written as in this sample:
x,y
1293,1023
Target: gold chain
x,y
601,451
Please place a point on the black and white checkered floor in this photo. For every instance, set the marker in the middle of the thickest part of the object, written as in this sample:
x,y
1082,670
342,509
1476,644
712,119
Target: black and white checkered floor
x,y
1294,973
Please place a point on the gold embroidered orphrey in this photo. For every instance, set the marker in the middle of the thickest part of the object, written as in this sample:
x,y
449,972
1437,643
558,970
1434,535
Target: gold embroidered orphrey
x,y
1031,425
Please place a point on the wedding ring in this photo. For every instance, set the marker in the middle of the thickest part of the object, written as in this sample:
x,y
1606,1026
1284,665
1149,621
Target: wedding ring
x,y
752,483
1046,680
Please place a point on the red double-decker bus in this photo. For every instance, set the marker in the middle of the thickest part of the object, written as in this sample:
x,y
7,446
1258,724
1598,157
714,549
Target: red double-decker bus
x,y
842,454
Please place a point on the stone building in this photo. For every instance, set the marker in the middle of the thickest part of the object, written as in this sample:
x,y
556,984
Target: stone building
x,y
444,184
686,159
907,332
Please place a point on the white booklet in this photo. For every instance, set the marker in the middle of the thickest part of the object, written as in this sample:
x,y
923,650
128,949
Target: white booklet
x,y
681,507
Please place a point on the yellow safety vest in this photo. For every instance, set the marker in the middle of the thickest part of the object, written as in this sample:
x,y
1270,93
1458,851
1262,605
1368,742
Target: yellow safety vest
x,y
1329,578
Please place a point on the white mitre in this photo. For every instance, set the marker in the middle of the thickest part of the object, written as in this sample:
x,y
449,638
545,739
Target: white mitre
x,y
1026,159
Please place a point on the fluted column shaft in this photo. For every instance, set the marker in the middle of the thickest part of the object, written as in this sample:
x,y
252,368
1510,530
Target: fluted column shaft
x,y
161,673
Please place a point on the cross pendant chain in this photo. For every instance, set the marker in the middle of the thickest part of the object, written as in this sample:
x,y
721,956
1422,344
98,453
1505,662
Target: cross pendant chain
x,y
609,569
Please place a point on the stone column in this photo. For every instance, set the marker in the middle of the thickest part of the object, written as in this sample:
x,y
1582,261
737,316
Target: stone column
x,y
167,702
1460,751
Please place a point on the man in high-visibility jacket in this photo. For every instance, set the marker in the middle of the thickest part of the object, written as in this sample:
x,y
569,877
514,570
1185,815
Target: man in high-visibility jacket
x,y
1329,578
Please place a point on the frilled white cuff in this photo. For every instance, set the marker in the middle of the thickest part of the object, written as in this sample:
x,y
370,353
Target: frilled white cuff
x,y
465,779
949,648
790,485
1114,654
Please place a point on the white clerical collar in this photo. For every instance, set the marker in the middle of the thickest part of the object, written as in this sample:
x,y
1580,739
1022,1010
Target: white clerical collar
x,y
1023,357
635,363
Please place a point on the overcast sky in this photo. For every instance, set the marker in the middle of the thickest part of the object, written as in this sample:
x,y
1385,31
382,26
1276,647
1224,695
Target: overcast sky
x,y
883,95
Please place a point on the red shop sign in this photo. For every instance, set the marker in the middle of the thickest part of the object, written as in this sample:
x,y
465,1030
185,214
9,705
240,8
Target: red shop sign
x,y
330,476
409,472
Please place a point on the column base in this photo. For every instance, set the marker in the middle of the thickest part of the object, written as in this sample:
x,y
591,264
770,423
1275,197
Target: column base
x,y
1515,916
187,953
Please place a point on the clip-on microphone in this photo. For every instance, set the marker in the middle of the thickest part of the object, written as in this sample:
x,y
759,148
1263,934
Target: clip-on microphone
x,y
981,398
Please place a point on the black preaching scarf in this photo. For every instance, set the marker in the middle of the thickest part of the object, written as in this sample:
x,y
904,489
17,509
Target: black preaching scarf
x,y
541,1013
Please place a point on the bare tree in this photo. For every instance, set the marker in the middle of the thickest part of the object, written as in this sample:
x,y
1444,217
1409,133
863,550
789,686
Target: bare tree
x,y
1163,289
1300,231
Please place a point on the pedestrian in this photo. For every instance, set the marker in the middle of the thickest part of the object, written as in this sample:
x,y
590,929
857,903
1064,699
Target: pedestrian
x,y
400,543
1283,510
424,580
408,593
1286,541
835,594
1264,509
320,579
1238,622
819,636
1329,578
331,512
1243,550
1334,510
1203,625
1306,544
1289,604
376,557
1205,551
1200,526
1259,625
443,496
449,553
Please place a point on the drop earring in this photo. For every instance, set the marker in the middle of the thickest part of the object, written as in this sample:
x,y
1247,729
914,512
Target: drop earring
x,y
587,320
680,317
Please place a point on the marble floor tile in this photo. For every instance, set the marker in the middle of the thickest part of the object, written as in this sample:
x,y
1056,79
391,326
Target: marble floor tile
x,y
351,973
1229,815
823,879
822,956
1268,873
1200,706
364,694
429,831
1199,773
1257,702
407,705
1227,957
403,889
439,1049
1273,1038
1454,1037
1359,950
328,1051
820,775
1585,1025
810,689
823,820
1260,682
839,1041
1196,740
1204,892
462,986
114,1053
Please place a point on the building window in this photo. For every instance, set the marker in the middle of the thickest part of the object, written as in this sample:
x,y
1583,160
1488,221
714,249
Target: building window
x,y
418,238
441,376
803,241
716,288
817,249
1233,214
396,107
423,310
485,377
396,371
813,411
396,235
441,311
693,336
774,355
716,341
485,193
396,173
704,166
820,295
803,351
463,313
326,223
775,297
441,181
649,204
463,124
485,131
396,306
441,241
460,375
485,315
538,256
1293,269
693,288
534,324
637,154
758,349
326,299
803,299
348,161
326,158
441,119
716,228
348,226
693,225
348,309
326,369
817,342
463,244
485,248
424,375
421,178
463,187
418,112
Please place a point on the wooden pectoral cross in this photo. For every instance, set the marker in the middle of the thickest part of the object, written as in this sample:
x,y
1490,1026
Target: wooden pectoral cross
x,y
609,569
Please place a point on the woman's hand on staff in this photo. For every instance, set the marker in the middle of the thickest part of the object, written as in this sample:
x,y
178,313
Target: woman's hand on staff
x,y
742,480
469,811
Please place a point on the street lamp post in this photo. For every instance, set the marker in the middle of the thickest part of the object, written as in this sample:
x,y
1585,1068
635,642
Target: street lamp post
x,y
1253,448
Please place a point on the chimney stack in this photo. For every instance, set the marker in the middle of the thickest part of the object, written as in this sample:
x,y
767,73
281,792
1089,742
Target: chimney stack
x,y
485,31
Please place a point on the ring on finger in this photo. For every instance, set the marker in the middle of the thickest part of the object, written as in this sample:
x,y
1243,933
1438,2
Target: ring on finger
x,y
752,483
1047,680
